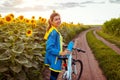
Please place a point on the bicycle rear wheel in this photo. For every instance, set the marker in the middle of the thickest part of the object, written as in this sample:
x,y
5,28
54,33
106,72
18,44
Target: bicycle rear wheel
x,y
77,68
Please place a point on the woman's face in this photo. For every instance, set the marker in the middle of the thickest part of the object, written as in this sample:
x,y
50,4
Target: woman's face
x,y
56,21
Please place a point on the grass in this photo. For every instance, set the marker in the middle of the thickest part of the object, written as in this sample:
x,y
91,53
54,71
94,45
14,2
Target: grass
x,y
111,38
109,60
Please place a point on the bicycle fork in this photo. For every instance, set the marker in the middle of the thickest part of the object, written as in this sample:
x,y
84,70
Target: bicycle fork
x,y
74,69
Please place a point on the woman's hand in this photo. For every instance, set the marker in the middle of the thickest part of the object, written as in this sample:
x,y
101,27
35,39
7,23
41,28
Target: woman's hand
x,y
65,52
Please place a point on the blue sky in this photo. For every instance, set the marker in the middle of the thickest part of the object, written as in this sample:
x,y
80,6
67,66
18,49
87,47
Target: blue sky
x,y
76,11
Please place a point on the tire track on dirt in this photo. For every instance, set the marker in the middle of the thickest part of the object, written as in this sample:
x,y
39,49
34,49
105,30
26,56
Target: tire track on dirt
x,y
112,46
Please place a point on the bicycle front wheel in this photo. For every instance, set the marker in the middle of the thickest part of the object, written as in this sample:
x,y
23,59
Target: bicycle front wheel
x,y
77,68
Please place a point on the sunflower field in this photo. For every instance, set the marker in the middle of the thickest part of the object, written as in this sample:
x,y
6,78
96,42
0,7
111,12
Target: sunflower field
x,y
22,46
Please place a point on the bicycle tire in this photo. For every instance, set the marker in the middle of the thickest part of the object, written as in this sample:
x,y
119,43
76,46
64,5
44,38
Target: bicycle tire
x,y
79,66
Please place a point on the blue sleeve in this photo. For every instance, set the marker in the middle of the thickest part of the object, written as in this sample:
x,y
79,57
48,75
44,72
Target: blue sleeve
x,y
52,43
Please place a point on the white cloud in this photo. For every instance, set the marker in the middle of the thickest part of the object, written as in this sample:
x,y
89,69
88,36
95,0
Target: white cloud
x,y
83,11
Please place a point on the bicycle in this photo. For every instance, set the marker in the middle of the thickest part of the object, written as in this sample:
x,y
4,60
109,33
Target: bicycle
x,y
73,67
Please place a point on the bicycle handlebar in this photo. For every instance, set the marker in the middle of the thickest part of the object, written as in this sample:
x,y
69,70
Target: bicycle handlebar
x,y
78,49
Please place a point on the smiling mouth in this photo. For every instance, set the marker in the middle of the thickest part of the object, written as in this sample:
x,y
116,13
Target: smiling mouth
x,y
58,22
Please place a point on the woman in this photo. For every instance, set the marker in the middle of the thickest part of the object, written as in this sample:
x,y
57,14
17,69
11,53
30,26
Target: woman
x,y
54,46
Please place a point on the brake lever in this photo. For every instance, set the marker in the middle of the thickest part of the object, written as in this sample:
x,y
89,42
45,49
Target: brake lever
x,y
80,50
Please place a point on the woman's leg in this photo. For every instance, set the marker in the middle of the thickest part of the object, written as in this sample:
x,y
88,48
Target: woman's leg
x,y
54,75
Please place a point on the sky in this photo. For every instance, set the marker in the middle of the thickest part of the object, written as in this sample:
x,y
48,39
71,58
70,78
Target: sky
x,y
76,11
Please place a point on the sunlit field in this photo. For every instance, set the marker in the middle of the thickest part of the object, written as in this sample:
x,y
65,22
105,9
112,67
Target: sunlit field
x,y
22,46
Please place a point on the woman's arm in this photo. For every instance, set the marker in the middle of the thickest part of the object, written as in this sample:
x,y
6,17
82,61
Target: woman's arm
x,y
52,43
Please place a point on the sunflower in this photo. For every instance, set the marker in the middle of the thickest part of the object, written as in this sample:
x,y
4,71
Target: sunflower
x,y
42,20
33,17
29,32
8,18
0,15
12,15
27,21
21,18
40,17
34,25
33,21
1,21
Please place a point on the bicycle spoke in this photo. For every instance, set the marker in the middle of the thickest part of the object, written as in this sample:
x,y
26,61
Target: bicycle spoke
x,y
77,70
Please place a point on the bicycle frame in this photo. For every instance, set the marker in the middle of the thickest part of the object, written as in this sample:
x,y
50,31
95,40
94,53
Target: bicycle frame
x,y
68,72
68,68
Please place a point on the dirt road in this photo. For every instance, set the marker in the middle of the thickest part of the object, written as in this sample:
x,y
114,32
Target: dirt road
x,y
91,70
